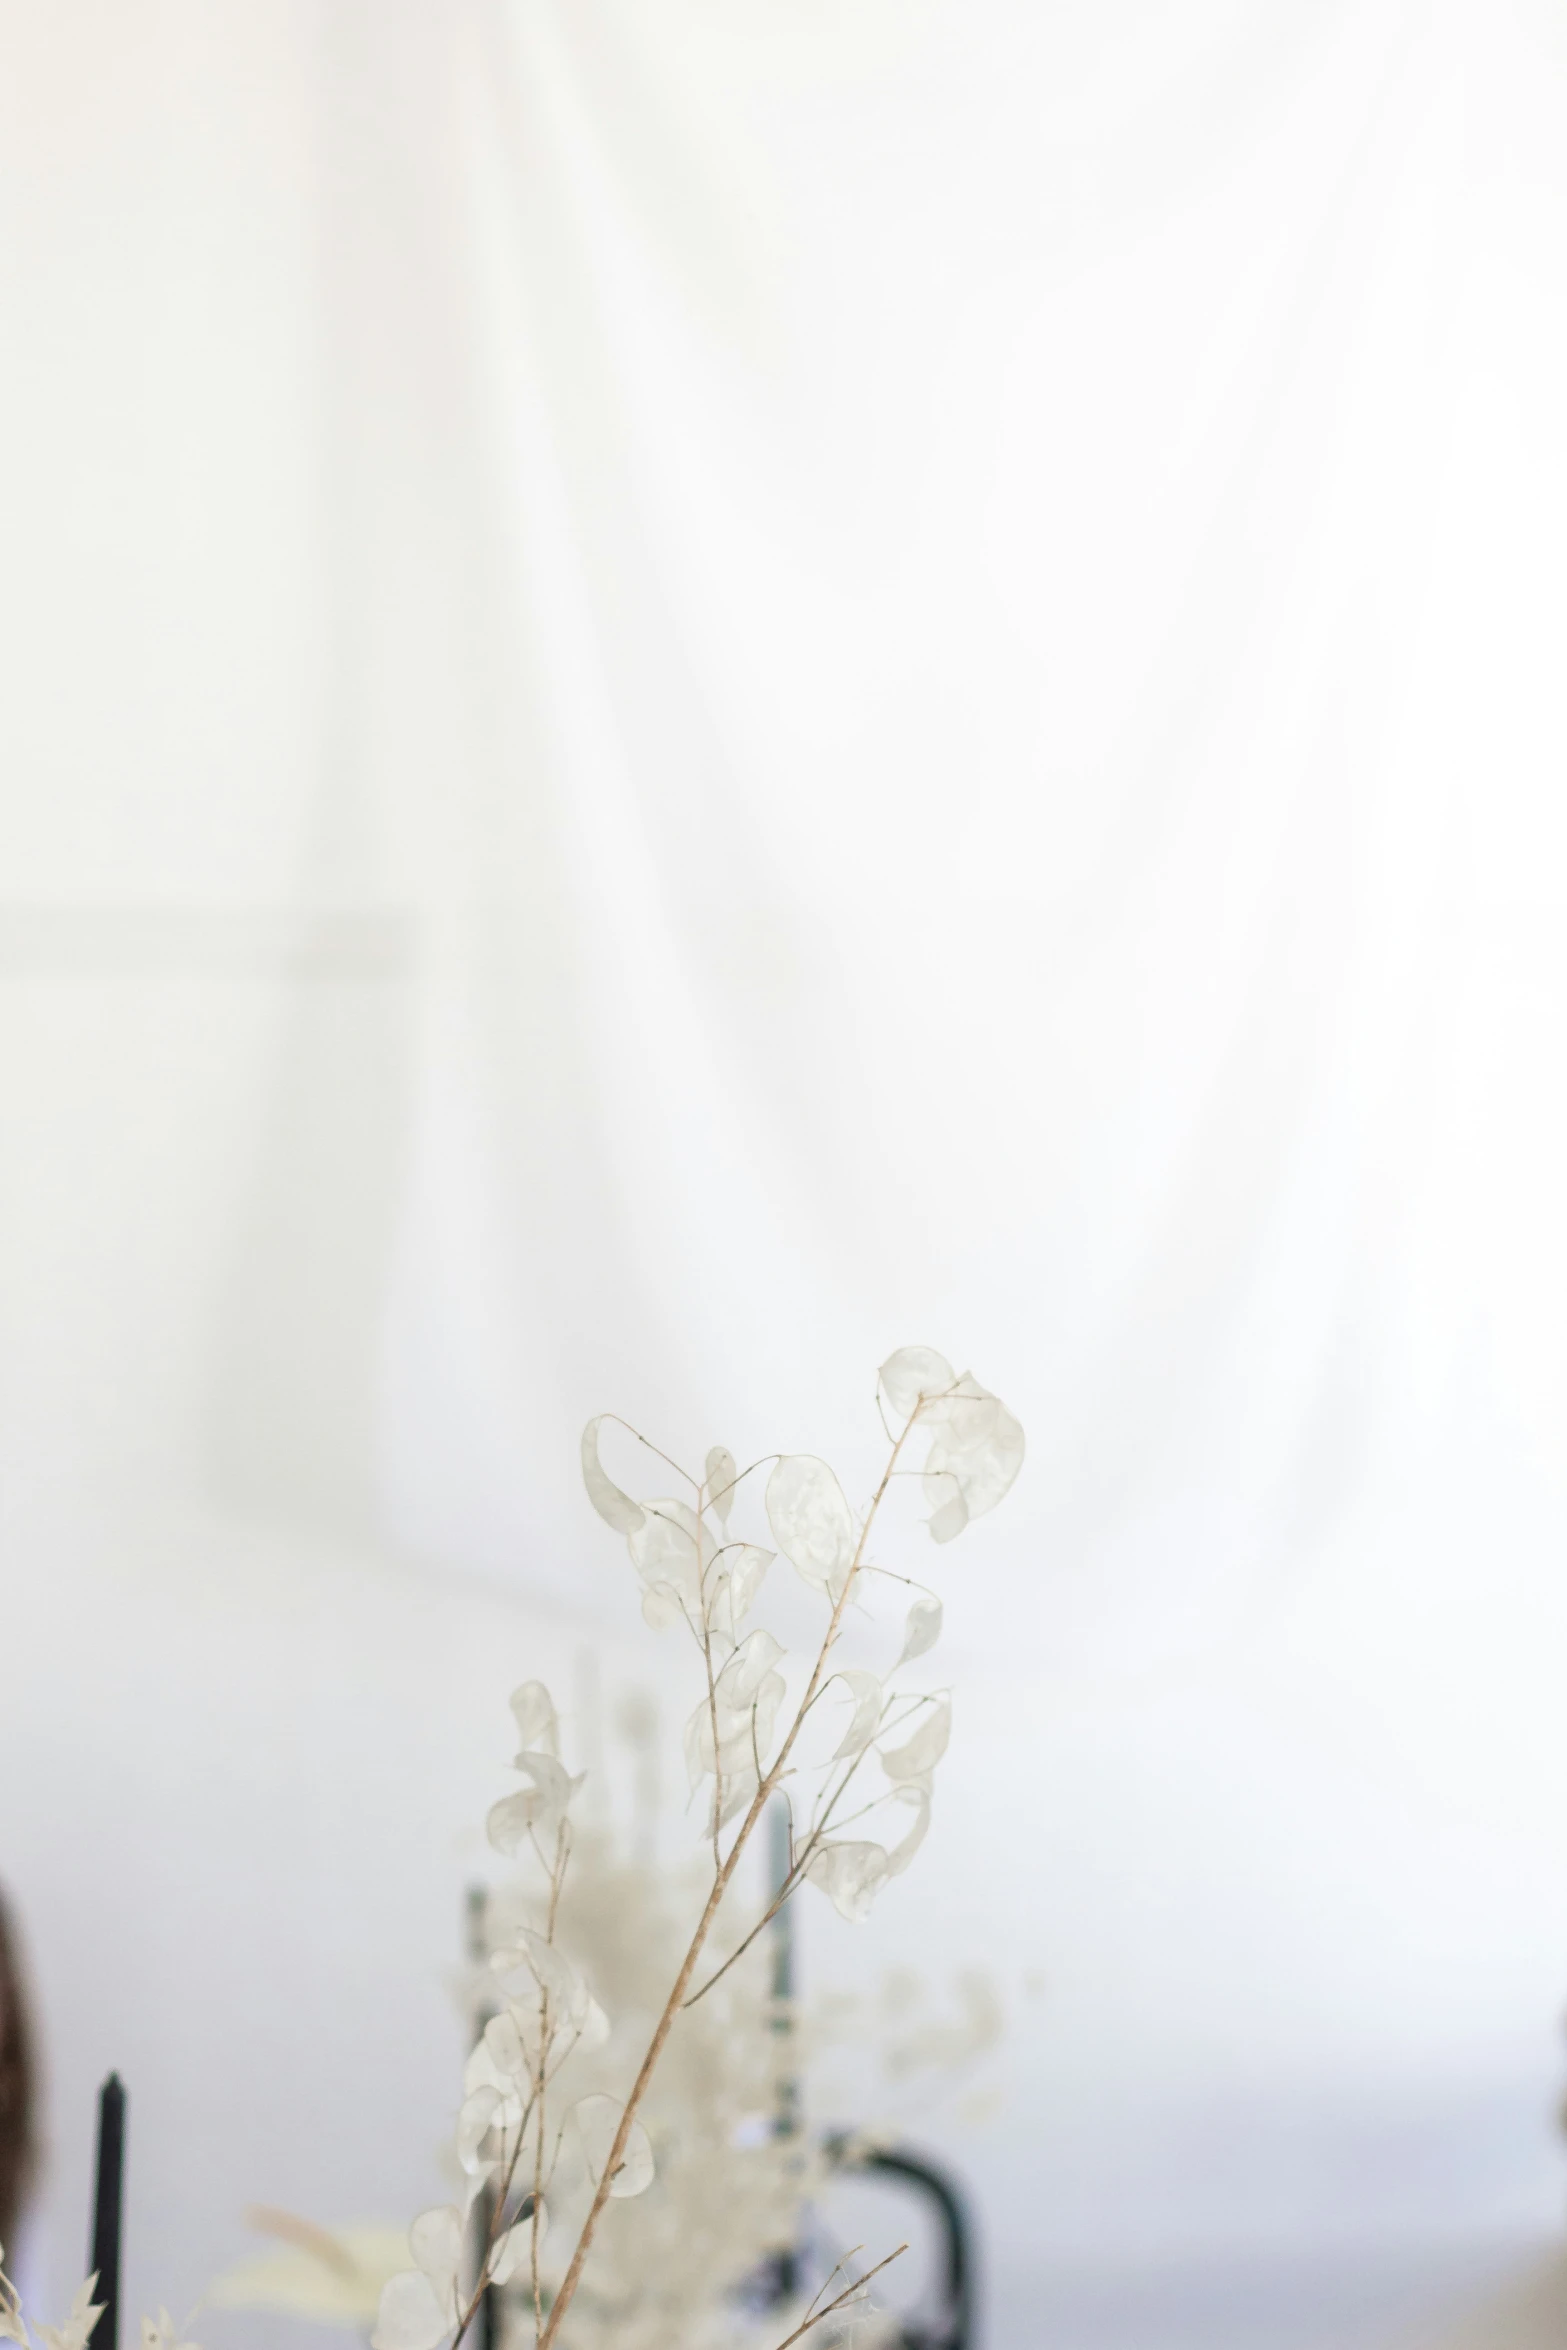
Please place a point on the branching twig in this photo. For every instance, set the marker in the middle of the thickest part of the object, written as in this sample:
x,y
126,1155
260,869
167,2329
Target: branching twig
x,y
737,1479
492,2232
712,1719
849,2293
720,1886
647,1443
800,1860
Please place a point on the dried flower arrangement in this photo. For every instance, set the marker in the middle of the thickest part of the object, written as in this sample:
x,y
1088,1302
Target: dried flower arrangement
x,y
548,2155
564,2114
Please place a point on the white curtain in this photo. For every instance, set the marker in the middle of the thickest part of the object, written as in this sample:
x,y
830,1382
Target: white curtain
x,y
693,691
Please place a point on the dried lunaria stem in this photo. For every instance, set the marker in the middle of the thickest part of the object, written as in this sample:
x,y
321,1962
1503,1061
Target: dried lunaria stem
x,y
851,2293
696,1573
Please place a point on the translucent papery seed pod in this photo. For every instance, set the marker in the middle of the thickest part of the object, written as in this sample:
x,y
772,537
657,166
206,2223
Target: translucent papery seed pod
x,y
617,1509
475,2121
868,1698
538,1724
590,2030
812,1523
948,1505
671,1547
735,1580
744,1673
718,1487
413,2316
923,1628
538,1808
926,1746
662,1606
917,1799
597,2120
436,2242
511,2040
977,1448
481,2071
967,1414
513,2252
851,1875
698,1744
740,1786
555,1975
911,1375
721,1733
749,1734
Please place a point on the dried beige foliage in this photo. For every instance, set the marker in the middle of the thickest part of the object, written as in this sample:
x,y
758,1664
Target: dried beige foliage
x,y
562,2117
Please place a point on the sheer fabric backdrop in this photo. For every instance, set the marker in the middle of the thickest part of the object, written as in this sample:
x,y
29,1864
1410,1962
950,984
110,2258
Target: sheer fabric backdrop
x,y
693,692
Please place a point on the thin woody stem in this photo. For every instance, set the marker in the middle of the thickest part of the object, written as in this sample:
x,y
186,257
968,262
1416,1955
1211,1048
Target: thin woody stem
x,y
649,1446
760,1927
848,2294
712,1719
557,1880
802,1858
726,1870
492,2233
726,1492
538,2162
557,1877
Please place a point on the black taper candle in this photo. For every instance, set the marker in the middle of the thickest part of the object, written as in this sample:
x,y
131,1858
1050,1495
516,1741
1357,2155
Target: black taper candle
x,y
785,2265
487,2330
105,2254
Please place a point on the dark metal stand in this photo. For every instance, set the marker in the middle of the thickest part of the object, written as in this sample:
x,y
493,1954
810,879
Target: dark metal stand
x,y
953,2324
